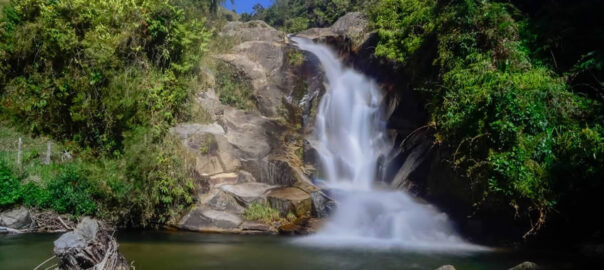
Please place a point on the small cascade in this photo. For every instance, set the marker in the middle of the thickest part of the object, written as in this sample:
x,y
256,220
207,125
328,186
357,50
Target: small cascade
x,y
350,137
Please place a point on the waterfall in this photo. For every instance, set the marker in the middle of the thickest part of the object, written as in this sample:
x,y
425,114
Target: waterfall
x,y
350,137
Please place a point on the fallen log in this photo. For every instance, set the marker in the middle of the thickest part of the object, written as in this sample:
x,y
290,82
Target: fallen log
x,y
89,246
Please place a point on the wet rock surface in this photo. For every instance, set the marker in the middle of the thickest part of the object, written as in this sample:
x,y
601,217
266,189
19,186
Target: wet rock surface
x,y
90,245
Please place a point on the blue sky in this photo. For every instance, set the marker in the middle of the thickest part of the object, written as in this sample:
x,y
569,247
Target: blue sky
x,y
246,5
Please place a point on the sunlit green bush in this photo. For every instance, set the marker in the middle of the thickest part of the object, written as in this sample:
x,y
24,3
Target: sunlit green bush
x,y
90,70
106,79
515,128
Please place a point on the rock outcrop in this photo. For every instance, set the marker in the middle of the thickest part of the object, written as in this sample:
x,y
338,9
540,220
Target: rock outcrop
x,y
446,267
89,246
16,219
351,28
290,200
249,156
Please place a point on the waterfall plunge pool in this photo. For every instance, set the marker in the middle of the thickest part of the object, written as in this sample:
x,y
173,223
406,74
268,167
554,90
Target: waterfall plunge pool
x,y
187,250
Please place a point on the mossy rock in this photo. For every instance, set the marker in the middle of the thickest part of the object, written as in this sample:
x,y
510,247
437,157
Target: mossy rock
x,y
290,199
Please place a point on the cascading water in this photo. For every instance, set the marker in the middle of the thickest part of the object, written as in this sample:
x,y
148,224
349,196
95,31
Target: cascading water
x,y
350,137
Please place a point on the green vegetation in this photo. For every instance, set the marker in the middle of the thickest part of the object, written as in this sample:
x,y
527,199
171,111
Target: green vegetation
x,y
148,184
105,80
295,58
2,4
208,144
105,68
514,92
261,212
234,88
297,15
518,131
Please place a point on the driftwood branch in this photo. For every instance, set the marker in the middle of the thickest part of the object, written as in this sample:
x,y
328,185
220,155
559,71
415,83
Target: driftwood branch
x,y
44,262
63,223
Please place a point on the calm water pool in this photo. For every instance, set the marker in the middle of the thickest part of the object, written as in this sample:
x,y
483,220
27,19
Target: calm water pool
x,y
181,250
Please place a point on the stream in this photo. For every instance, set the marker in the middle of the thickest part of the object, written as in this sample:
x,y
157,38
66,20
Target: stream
x,y
184,250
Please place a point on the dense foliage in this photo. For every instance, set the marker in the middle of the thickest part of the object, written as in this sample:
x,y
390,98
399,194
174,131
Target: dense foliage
x,y
106,78
89,70
297,15
518,130
67,192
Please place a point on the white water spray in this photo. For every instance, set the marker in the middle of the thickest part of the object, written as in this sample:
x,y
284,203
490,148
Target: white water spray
x,y
350,137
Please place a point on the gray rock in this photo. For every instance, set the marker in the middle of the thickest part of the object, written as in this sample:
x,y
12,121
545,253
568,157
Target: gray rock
x,y
213,154
247,193
353,26
269,55
259,56
18,218
446,267
525,266
290,199
275,171
246,133
84,233
89,246
245,177
254,227
223,201
322,206
208,220
185,131
252,30
223,179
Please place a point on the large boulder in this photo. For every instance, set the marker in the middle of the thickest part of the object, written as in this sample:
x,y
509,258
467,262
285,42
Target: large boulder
x,y
89,246
446,267
252,30
223,201
209,220
322,206
247,193
352,27
223,179
290,200
18,218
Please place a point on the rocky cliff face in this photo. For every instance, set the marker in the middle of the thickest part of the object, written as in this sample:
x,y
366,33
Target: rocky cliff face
x,y
254,155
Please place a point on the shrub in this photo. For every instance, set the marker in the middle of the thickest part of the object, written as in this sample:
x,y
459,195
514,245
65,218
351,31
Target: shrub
x,y
106,79
234,88
88,71
69,192
158,185
508,122
261,212
10,186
